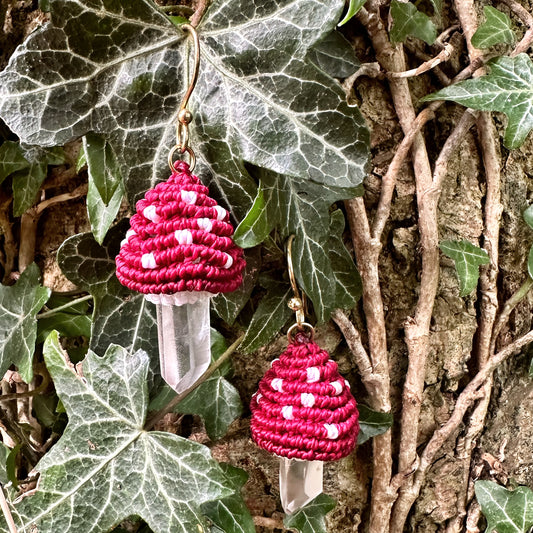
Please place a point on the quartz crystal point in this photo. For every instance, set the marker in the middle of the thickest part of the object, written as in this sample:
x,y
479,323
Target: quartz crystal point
x,y
184,342
299,482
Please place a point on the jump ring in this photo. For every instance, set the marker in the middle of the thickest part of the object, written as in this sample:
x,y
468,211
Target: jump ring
x,y
192,156
300,327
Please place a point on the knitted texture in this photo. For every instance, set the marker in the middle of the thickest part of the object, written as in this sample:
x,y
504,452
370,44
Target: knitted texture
x,y
304,409
180,240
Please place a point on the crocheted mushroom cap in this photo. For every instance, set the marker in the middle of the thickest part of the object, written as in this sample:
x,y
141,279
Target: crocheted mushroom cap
x,y
304,409
180,240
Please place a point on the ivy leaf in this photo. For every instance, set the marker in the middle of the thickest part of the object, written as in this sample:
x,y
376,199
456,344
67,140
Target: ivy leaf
x,y
270,316
105,467
127,85
353,8
335,56
530,262
228,305
467,259
231,514
27,182
372,423
19,305
312,517
302,208
348,287
120,316
11,159
407,20
507,88
528,216
67,324
4,452
506,511
495,30
105,192
217,401
26,185
255,227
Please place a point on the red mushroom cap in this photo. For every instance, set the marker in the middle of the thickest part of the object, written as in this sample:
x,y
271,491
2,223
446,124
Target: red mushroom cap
x,y
304,408
180,240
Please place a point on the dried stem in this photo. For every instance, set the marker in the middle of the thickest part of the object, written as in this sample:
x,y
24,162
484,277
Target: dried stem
x,y
511,303
199,13
416,341
367,252
361,358
10,244
441,57
7,511
158,416
469,395
526,17
488,279
30,219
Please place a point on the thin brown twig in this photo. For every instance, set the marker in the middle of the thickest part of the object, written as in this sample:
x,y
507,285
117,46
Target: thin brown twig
x,y
367,252
361,358
488,276
158,416
443,56
7,511
467,397
508,307
10,244
199,13
417,338
78,192
30,220
525,16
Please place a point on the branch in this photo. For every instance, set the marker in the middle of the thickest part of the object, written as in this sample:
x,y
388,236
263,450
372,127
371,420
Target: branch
x,y
510,304
361,358
7,511
199,13
526,17
10,244
464,401
441,57
158,416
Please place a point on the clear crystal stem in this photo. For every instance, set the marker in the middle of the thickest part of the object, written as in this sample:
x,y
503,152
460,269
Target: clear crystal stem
x,y
299,482
184,342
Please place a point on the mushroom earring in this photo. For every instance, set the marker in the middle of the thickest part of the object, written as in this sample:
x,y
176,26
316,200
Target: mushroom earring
x,y
179,253
303,411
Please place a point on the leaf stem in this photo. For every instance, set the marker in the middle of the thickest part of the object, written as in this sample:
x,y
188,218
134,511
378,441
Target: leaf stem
x,y
52,312
510,304
184,9
154,419
7,511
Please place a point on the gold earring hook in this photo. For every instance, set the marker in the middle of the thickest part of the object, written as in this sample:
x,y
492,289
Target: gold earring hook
x,y
298,302
184,115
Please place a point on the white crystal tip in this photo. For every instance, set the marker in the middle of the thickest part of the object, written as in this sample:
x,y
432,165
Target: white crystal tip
x,y
179,298
299,483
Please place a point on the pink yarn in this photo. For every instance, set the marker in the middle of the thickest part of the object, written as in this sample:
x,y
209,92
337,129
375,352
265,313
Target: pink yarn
x,y
180,240
304,408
